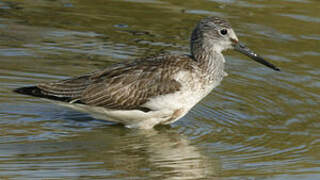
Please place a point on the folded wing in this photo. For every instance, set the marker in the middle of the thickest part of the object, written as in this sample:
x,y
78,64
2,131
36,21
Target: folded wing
x,y
121,86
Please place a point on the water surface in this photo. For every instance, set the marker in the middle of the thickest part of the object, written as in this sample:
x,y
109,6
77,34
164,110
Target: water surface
x,y
258,124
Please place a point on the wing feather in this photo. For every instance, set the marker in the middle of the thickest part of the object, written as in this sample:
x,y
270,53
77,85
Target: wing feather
x,y
66,88
122,86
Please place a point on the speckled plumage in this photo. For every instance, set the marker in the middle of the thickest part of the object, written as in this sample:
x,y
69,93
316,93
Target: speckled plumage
x,y
150,91
123,86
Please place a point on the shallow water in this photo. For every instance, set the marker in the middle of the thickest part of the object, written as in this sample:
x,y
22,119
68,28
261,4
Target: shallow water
x,y
258,124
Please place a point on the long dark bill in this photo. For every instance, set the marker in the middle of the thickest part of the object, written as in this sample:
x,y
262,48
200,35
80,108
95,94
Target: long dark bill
x,y
244,50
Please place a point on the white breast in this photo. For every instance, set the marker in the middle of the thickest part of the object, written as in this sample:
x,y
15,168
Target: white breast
x,y
192,91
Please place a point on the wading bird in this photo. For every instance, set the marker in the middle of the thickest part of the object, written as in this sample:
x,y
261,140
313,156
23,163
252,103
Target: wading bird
x,y
151,91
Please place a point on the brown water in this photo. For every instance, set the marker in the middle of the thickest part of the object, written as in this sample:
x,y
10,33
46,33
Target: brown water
x,y
258,124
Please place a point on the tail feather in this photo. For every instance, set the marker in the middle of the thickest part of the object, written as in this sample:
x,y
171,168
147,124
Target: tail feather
x,y
68,90
37,92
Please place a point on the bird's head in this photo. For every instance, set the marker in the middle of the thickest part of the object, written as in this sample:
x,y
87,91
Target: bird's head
x,y
216,34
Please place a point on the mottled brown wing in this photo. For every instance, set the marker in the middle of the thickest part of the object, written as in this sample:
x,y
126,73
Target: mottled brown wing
x,y
131,86
122,86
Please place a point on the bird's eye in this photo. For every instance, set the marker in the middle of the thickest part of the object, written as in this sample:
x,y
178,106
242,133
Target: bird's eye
x,y
223,31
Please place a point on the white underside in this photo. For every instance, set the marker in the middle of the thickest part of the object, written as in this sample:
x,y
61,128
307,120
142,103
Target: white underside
x,y
164,108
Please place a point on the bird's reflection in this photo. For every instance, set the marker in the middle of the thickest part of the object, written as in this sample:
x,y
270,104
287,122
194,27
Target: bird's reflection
x,y
170,150
157,154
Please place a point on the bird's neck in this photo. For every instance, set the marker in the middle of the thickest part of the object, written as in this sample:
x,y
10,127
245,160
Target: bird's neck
x,y
210,60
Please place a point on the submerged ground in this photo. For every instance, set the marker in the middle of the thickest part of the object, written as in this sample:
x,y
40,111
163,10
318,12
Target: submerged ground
x,y
258,124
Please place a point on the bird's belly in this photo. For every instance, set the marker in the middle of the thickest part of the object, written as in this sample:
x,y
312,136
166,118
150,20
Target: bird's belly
x,y
177,100
180,102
